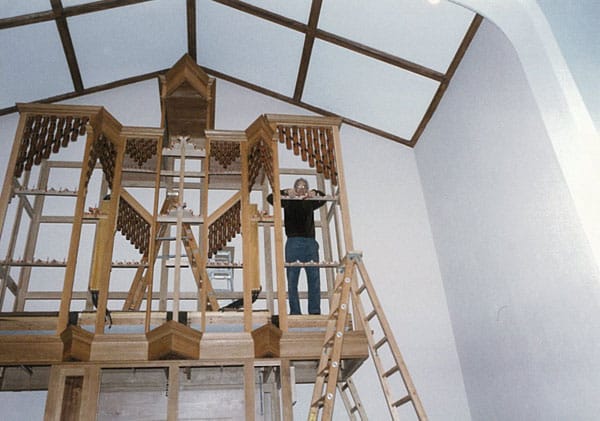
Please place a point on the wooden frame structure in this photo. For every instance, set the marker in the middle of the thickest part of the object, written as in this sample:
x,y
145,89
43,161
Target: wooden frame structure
x,y
176,195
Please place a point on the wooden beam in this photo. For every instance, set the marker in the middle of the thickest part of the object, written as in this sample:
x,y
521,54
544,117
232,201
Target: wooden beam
x,y
460,53
67,43
309,40
379,55
49,15
94,89
191,28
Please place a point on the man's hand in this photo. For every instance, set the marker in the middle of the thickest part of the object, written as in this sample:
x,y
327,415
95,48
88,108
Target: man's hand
x,y
312,193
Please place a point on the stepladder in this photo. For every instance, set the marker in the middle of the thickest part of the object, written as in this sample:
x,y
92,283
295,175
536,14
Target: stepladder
x,y
353,286
394,377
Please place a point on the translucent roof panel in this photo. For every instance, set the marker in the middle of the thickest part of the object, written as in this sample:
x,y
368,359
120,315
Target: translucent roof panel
x,y
248,48
33,64
12,8
367,90
416,30
128,41
298,9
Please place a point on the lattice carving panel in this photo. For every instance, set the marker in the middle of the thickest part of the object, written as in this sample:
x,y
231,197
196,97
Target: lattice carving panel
x,y
44,135
139,151
224,229
103,150
133,226
313,144
225,153
260,157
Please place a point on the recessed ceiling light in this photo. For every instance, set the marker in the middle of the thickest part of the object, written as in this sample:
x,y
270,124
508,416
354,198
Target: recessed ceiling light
x,y
434,1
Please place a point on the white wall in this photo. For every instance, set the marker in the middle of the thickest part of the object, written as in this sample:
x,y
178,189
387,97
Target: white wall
x,y
519,274
390,226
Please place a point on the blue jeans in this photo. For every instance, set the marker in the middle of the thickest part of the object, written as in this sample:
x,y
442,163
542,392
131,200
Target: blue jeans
x,y
303,249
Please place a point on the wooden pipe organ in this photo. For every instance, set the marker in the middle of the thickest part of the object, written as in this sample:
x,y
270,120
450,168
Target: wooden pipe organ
x,y
140,232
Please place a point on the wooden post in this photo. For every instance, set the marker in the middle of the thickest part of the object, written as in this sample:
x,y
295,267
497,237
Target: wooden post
x,y
67,290
173,391
246,241
249,389
286,390
113,212
278,232
343,197
7,187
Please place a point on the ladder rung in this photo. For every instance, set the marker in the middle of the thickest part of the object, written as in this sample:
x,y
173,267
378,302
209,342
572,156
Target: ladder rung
x,y
380,343
324,372
391,371
319,402
402,401
361,288
370,315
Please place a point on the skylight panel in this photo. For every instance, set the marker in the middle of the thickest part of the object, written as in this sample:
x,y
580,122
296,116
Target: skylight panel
x,y
367,90
298,10
33,64
128,41
248,48
416,30
12,8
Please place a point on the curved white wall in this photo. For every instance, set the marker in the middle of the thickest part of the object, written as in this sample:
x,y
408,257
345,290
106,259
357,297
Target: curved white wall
x,y
521,280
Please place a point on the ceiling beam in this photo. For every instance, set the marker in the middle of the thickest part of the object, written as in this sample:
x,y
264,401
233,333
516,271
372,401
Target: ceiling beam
x,y
86,91
460,53
309,40
334,39
191,28
67,44
49,15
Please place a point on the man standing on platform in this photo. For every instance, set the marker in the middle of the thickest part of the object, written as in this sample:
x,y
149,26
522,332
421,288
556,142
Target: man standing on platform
x,y
301,245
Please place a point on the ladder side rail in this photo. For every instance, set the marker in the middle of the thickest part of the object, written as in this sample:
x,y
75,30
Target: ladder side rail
x,y
391,341
329,364
23,205
362,319
352,403
32,236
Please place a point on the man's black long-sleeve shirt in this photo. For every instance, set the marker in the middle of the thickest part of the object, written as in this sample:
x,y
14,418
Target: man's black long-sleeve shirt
x,y
298,216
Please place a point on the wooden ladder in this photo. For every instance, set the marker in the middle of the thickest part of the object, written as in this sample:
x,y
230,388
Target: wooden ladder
x,y
139,284
193,252
386,340
351,400
329,364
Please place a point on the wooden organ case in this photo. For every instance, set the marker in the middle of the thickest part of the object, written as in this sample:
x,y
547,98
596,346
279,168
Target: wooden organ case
x,y
111,235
